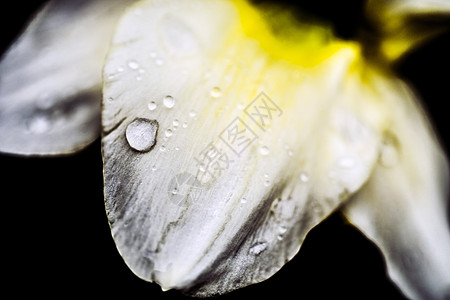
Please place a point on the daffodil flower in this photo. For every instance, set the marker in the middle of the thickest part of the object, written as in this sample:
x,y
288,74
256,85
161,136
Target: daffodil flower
x,y
230,129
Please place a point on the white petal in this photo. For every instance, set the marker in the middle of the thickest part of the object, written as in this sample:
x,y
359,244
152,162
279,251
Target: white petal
x,y
403,208
188,79
50,78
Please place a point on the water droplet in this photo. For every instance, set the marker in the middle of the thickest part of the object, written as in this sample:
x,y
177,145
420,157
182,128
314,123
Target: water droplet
x,y
175,191
216,92
304,177
169,101
154,168
346,162
39,124
132,64
159,62
153,54
267,183
290,153
258,248
177,148
192,114
176,123
152,105
212,153
202,168
120,69
185,125
141,134
141,71
282,229
138,78
280,237
169,133
264,150
163,148
243,200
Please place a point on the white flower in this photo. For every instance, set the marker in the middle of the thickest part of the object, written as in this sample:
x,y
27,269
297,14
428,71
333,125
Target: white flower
x,y
231,129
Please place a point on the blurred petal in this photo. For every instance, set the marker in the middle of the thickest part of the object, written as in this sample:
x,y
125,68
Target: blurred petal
x,y
50,78
403,208
406,24
221,150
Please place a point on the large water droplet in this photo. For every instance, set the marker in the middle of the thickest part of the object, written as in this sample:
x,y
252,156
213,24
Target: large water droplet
x,y
175,123
258,248
169,101
141,134
216,92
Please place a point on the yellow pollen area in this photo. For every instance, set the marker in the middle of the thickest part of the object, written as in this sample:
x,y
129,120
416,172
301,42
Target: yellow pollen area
x,y
284,37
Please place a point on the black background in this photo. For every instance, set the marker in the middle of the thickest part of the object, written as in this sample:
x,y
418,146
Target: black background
x,y
56,241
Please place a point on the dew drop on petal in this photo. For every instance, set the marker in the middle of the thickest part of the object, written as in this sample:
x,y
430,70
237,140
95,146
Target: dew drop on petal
x,y
152,105
185,125
169,101
264,150
176,123
304,177
163,148
159,62
216,92
192,114
141,134
132,64
243,200
168,133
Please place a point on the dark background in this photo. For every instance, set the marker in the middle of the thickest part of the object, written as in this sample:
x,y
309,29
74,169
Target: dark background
x,y
56,239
